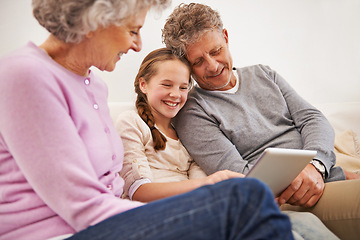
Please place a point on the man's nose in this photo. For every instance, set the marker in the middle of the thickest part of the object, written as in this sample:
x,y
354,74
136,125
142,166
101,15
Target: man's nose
x,y
212,64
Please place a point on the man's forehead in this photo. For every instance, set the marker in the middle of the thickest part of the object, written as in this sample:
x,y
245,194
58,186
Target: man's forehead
x,y
209,41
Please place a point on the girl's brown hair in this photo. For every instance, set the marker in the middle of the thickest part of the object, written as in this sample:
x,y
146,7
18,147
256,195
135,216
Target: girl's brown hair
x,y
148,68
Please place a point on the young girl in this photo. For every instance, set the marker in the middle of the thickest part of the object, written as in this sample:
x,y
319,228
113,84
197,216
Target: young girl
x,y
156,164
153,152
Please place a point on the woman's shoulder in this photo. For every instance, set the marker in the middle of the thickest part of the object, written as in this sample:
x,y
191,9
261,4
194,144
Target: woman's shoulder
x,y
30,66
27,58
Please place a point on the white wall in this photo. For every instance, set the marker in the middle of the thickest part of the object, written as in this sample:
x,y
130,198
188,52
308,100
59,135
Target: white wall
x,y
314,44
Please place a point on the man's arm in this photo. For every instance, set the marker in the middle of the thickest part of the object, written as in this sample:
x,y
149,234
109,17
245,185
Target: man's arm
x,y
317,134
205,142
316,131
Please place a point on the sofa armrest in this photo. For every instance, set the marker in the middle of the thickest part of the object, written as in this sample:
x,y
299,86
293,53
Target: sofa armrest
x,y
342,116
118,107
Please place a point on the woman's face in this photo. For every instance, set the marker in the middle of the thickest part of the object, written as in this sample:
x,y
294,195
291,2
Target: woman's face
x,y
107,45
167,90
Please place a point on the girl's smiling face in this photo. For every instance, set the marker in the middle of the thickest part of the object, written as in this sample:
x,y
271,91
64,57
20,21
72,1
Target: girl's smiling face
x,y
167,90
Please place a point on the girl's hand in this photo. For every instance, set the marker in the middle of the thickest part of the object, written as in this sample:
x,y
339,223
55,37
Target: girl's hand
x,y
221,176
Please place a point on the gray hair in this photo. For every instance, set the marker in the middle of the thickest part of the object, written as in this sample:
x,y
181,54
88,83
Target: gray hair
x,y
71,20
187,24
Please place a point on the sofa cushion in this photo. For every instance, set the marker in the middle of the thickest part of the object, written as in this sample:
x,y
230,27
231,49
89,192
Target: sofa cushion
x,y
342,116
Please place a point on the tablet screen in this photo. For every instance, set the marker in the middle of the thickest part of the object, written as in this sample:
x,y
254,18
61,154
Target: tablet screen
x,y
278,167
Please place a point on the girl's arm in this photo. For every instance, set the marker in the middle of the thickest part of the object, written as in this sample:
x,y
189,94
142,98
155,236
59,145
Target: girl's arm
x,y
195,171
137,143
154,191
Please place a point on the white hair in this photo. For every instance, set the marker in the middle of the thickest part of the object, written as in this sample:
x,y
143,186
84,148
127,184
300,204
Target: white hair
x,y
71,20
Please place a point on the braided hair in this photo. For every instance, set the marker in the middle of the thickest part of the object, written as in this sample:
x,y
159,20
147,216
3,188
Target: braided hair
x,y
147,70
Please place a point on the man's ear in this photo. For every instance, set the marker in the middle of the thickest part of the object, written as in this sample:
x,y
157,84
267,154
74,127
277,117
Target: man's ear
x,y
225,35
142,85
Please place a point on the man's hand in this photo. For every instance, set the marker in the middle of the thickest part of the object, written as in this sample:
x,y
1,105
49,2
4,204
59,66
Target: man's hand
x,y
305,190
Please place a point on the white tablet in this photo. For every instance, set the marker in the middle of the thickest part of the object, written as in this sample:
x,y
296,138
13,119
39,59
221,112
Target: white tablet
x,y
278,167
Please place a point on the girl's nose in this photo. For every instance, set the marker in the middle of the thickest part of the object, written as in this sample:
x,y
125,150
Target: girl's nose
x,y
175,93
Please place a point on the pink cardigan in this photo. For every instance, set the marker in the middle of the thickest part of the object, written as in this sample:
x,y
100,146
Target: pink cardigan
x,y
59,151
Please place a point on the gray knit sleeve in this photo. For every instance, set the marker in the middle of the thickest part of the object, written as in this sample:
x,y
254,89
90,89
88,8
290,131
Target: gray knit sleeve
x,y
204,140
316,131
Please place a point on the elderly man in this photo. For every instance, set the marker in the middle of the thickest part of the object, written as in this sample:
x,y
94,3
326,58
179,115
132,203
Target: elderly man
x,y
235,113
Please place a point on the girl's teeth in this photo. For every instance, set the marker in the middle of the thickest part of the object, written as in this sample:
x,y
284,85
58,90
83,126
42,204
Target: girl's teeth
x,y
171,104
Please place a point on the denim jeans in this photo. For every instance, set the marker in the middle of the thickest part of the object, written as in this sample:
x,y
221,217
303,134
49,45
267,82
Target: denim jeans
x,y
233,209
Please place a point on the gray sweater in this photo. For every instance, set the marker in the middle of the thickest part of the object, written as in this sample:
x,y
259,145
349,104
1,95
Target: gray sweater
x,y
231,130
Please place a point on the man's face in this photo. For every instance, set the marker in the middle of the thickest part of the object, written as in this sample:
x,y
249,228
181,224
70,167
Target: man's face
x,y
211,61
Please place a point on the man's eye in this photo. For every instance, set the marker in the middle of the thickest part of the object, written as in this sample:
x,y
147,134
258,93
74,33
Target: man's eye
x,y
134,33
198,62
216,52
166,85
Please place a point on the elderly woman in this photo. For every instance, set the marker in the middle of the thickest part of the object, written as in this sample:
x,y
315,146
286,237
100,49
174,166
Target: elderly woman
x,y
60,154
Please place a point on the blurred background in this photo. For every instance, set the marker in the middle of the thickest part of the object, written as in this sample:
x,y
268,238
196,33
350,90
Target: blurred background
x,y
313,44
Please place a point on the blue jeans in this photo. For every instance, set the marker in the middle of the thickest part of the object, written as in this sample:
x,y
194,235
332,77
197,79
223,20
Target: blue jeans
x,y
233,209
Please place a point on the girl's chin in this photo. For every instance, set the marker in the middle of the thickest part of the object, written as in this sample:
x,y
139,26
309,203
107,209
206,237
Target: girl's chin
x,y
171,114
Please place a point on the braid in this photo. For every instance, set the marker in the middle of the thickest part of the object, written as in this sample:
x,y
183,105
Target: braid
x,y
148,68
146,115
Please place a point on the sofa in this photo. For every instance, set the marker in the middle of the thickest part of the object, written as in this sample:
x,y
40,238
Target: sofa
x,y
344,117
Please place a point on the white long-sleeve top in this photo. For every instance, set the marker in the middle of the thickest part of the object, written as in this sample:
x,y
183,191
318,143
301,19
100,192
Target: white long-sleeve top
x,y
143,164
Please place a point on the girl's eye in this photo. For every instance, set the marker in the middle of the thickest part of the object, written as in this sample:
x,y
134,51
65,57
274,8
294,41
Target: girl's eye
x,y
166,85
184,87
134,33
